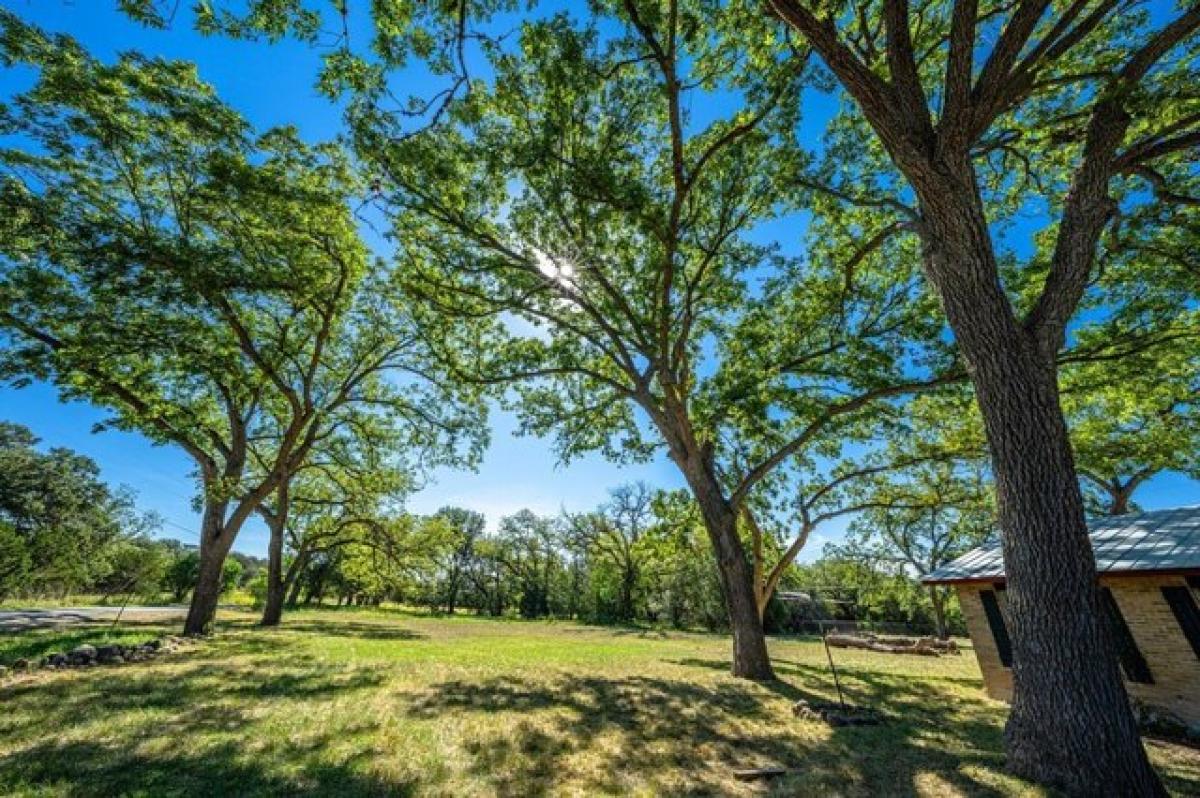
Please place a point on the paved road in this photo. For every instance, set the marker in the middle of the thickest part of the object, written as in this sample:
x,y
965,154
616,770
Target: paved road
x,y
18,620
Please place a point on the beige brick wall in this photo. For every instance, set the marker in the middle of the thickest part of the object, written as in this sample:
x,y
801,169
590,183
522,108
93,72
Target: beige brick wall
x,y
997,679
1173,664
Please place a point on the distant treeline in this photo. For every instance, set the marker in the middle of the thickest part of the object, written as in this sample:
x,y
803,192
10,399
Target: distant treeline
x,y
63,531
641,558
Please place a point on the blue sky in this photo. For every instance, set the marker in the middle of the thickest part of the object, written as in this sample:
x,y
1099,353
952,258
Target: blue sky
x,y
273,85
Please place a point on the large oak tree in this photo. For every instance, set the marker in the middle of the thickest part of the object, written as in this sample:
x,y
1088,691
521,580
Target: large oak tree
x,y
1097,101
596,232
206,285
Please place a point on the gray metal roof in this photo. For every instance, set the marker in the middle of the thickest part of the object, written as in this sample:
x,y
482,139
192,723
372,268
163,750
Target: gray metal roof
x,y
1162,540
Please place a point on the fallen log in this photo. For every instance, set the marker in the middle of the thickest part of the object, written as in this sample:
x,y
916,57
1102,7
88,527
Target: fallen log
x,y
944,646
849,641
922,647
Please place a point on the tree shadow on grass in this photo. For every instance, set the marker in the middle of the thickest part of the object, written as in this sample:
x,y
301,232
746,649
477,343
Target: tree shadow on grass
x,y
87,769
623,630
203,694
354,629
336,627
190,727
195,726
926,712
686,738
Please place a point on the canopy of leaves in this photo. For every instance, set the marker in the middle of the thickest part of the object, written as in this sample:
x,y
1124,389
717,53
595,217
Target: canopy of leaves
x,y
599,238
208,286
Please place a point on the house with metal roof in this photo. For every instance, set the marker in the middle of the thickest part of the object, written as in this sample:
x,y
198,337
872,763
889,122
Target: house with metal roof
x,y
1149,568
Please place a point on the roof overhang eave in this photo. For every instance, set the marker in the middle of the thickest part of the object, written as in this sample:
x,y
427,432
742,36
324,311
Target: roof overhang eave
x,y
1125,573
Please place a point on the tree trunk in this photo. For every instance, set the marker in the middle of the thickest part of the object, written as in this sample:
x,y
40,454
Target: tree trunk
x,y
1071,725
1121,495
750,657
452,592
939,611
273,610
277,524
292,580
736,575
1069,703
628,583
316,587
215,541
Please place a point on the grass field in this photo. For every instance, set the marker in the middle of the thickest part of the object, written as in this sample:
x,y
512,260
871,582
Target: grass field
x,y
386,703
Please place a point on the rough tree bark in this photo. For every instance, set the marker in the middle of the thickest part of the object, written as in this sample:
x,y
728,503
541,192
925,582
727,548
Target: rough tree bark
x,y
216,538
277,519
750,657
1069,703
292,579
273,608
938,600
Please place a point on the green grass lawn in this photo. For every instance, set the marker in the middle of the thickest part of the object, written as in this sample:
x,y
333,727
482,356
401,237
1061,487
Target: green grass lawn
x,y
387,703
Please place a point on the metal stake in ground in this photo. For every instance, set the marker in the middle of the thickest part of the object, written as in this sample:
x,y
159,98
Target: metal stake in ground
x,y
121,611
128,586
837,682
